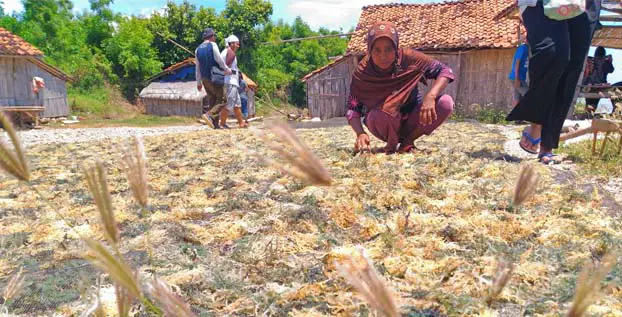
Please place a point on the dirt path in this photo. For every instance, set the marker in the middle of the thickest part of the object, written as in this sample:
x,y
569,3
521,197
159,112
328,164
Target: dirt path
x,y
567,172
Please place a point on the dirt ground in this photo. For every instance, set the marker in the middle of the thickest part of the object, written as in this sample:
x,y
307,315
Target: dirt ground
x,y
239,238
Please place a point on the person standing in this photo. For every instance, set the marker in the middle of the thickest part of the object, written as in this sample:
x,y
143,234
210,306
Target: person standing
x,y
602,66
231,83
559,46
518,74
244,96
208,62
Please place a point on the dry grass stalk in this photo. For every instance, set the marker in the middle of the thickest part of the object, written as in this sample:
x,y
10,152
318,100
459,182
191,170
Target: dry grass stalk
x,y
98,186
503,273
124,301
360,273
135,166
13,162
305,165
14,286
588,285
171,304
526,184
118,270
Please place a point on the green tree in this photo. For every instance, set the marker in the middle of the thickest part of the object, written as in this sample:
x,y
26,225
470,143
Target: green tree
x,y
244,18
184,24
98,23
1,8
132,55
296,59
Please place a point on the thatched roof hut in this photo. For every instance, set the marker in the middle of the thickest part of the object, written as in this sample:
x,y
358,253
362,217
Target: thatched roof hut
x,y
173,92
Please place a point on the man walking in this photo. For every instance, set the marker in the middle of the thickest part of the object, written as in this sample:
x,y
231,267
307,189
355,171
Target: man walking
x,y
234,103
210,68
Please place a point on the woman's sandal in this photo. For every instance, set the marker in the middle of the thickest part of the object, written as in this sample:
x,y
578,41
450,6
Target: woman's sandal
x,y
549,159
531,140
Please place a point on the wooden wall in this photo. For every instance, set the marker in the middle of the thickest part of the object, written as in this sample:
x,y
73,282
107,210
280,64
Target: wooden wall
x,y
481,82
484,81
327,92
16,75
171,107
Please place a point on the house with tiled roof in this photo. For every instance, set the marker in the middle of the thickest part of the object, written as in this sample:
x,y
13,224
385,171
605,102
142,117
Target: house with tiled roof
x,y
463,34
20,62
476,38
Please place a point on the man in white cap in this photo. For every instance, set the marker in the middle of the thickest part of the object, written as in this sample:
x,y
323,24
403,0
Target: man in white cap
x,y
234,103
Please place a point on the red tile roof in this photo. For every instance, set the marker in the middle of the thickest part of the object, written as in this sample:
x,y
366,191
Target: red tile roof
x,y
464,24
11,44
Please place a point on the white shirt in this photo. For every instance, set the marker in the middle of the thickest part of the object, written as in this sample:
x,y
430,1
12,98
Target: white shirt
x,y
233,78
217,58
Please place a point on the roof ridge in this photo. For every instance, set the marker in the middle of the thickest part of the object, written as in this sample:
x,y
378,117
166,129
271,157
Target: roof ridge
x,y
425,25
398,4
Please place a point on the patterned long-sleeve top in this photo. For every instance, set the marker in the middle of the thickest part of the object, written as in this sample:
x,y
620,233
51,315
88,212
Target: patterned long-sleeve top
x,y
356,109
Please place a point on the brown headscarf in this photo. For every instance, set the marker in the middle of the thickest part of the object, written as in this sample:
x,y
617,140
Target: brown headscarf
x,y
388,90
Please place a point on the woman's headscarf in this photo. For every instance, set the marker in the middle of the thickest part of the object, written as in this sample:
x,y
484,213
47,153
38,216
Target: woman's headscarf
x,y
388,90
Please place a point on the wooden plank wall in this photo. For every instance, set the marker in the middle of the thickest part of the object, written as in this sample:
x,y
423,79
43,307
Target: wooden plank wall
x,y
484,81
7,82
328,91
452,60
16,90
481,82
172,107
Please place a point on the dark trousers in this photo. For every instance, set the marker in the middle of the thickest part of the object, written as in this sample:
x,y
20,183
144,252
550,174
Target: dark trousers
x,y
558,52
216,97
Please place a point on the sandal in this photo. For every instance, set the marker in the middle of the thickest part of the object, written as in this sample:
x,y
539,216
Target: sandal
x,y
406,149
550,159
531,140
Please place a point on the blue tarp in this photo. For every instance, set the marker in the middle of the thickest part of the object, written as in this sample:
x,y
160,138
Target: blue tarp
x,y
183,74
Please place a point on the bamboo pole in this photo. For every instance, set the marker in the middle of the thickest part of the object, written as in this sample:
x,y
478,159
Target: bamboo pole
x,y
307,38
176,44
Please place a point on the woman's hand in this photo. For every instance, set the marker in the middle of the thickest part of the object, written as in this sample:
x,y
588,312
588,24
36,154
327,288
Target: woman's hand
x,y
362,143
428,110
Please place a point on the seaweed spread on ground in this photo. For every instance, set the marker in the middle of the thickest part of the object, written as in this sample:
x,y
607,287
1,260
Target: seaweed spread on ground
x,y
233,236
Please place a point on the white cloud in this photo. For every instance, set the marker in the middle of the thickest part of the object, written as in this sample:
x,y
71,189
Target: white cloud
x,y
333,14
11,6
148,12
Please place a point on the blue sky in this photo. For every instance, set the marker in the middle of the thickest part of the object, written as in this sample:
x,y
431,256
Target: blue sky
x,y
334,14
